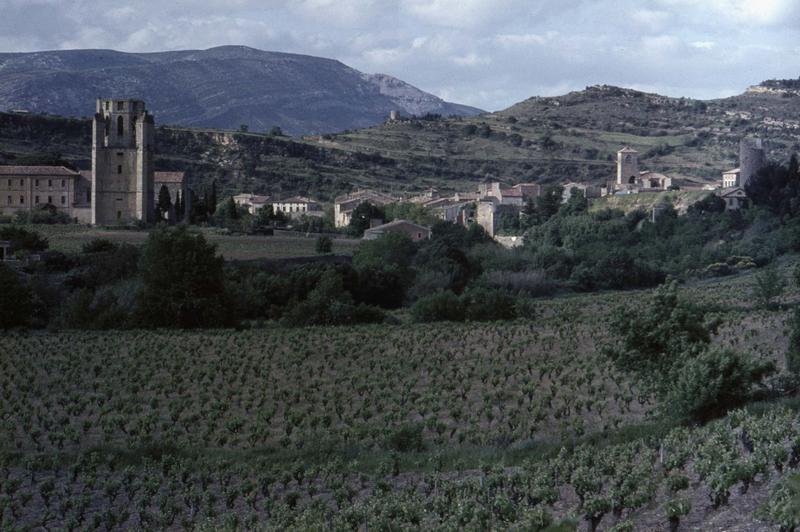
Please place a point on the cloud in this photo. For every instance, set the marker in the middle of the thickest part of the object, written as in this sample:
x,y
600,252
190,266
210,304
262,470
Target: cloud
x,y
488,53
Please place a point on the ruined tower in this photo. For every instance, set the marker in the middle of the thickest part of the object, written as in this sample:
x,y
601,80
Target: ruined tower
x,y
627,166
752,158
122,162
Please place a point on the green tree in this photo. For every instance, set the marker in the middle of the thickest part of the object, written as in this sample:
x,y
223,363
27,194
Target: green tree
x,y
164,203
183,282
769,286
362,216
666,347
16,303
324,244
22,239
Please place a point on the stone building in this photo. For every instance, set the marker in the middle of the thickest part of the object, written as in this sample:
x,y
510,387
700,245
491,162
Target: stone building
x,y
627,166
735,198
178,187
297,206
122,162
631,180
752,158
252,202
25,188
343,206
414,231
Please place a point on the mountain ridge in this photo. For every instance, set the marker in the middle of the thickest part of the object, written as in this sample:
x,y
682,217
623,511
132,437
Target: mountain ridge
x,y
222,87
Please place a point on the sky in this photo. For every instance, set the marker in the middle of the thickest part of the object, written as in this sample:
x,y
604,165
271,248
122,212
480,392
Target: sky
x,y
486,53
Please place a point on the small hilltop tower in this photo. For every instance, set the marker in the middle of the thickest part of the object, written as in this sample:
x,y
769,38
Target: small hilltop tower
x,y
627,166
752,158
122,162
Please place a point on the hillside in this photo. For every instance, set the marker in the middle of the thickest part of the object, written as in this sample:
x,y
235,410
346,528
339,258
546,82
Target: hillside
x,y
222,87
550,140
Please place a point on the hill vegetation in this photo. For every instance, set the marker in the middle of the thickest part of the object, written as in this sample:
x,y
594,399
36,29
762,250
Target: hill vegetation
x,y
547,140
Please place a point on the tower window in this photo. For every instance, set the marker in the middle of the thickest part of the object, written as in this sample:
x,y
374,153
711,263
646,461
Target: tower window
x,y
49,199
63,183
9,200
120,126
22,182
63,200
9,183
22,200
49,182
106,105
37,182
36,200
120,106
119,169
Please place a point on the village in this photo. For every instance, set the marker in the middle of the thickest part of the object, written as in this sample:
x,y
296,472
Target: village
x,y
123,187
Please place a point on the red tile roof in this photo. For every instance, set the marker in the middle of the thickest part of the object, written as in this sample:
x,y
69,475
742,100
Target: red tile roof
x,y
169,177
36,171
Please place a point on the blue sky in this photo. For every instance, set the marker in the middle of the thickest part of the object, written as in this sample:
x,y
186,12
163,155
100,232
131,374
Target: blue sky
x,y
487,53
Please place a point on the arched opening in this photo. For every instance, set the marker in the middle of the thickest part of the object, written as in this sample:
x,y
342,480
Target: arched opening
x,y
120,126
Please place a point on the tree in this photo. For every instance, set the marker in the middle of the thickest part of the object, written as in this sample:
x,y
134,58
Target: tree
x,y
22,239
769,286
362,216
183,282
16,304
666,347
324,244
231,210
210,198
164,203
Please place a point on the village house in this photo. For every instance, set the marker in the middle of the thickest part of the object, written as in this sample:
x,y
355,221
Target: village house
x,y
297,206
630,180
178,187
735,198
414,231
252,202
344,206
25,188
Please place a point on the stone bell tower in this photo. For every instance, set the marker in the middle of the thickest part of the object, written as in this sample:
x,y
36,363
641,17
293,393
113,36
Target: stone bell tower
x,y
627,166
122,162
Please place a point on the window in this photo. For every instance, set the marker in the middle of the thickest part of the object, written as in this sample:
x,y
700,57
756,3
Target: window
x,y
106,104
36,200
49,182
120,126
88,195
63,183
9,200
120,106
119,169
63,200
9,183
22,182
37,183
119,215
49,199
22,200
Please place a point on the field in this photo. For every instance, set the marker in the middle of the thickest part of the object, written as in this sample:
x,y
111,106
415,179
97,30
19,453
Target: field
x,y
441,426
282,245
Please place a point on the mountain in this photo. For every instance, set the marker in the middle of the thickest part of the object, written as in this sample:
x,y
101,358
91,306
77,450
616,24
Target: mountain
x,y
222,87
573,137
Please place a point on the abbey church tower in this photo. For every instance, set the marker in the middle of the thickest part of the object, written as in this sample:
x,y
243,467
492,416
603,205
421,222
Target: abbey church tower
x,y
122,162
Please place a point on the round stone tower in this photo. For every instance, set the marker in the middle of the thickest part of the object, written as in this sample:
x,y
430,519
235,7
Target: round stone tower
x,y
752,158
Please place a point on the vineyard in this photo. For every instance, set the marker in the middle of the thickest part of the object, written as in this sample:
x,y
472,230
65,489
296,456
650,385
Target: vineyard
x,y
442,426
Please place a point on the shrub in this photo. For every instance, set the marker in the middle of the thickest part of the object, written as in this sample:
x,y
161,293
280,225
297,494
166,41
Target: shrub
x,y
324,245
23,240
407,438
98,245
533,283
715,382
441,306
485,304
16,305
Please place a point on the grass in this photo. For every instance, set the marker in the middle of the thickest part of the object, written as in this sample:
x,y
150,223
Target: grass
x,y
282,245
